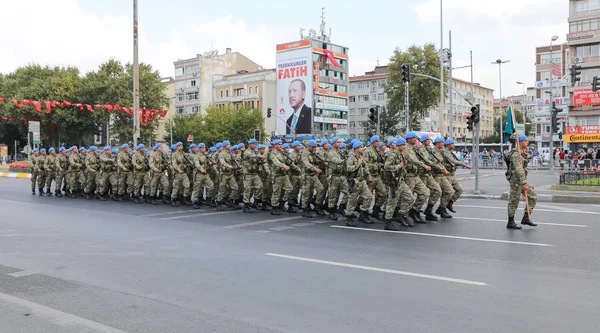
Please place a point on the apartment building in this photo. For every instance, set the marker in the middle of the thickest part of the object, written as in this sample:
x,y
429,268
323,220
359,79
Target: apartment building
x,y
365,91
163,131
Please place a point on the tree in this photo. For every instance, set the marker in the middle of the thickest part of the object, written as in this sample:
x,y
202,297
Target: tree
x,y
218,124
424,93
495,138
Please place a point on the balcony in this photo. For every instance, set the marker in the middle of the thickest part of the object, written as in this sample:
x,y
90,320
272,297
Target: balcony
x,y
251,96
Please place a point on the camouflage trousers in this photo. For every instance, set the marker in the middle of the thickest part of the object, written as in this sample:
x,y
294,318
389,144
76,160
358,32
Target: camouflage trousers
x,y
415,184
435,192
148,182
138,182
447,189
282,188
458,189
359,192
90,182
41,180
114,182
380,191
324,179
76,180
125,182
239,178
267,189
102,180
202,181
312,187
61,179
162,179
337,185
50,176
228,188
403,197
181,182
252,186
516,189
34,176
295,180
214,177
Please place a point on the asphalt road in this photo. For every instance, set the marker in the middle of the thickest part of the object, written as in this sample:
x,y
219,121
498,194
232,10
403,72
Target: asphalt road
x,y
493,182
73,265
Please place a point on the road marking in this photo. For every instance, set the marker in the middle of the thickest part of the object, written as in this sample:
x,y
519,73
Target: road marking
x,y
541,223
56,316
25,273
169,213
263,231
283,227
249,224
322,221
445,236
303,224
381,270
556,207
538,210
196,215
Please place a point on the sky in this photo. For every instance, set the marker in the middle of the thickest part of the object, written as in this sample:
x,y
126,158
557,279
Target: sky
x,y
85,33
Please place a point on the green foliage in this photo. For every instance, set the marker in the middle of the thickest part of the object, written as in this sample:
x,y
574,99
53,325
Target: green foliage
x,y
495,138
218,124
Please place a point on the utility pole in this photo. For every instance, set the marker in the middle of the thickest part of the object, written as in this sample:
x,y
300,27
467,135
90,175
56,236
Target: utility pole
x,y
378,120
551,111
441,122
136,77
476,137
407,114
450,108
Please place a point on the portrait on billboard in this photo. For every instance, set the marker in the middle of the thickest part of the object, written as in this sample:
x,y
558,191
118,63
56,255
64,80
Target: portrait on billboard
x,y
300,120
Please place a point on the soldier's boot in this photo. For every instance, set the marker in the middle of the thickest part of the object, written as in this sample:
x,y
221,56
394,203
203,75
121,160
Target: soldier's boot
x,y
58,194
389,225
33,191
416,216
41,192
236,203
188,201
429,216
403,220
291,208
275,210
153,200
333,214
376,212
527,221
138,199
257,204
148,198
121,197
247,208
342,208
196,204
103,196
175,202
319,210
350,222
308,213
449,206
211,202
364,217
444,213
166,199
48,193
511,224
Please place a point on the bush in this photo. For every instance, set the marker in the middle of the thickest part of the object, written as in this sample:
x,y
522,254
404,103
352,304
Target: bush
x,y
19,165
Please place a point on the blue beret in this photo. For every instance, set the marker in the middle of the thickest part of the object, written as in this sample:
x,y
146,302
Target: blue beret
x,y
357,144
114,150
277,142
61,149
43,150
334,140
352,141
193,145
251,141
93,148
201,144
35,149
219,145
342,145
438,140
73,147
424,137
124,146
173,147
270,145
449,141
522,137
106,148
145,150
400,142
50,150
155,147
390,141
285,145
69,150
295,143
381,144
312,143
225,143
261,146
178,144
140,146
374,139
101,150
411,135
213,149
241,145
323,142
234,147
82,148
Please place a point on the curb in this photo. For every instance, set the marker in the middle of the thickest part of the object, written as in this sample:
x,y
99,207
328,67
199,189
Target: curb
x,y
14,175
572,199
471,178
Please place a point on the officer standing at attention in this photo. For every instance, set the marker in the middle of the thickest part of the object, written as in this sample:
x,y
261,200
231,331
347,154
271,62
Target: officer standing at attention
x,y
517,177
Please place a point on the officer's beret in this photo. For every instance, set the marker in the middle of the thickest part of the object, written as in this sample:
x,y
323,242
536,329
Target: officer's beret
x,y
270,145
61,149
342,145
277,142
69,150
400,142
251,141
193,145
173,147
449,141
43,150
155,147
295,143
374,139
34,150
241,145
82,148
334,140
522,137
312,143
74,147
390,141
50,150
438,140
424,137
285,145
219,145
213,149
101,150
357,144
381,144
114,150
234,147
123,146
106,148
178,144
411,135
201,144
225,143
323,142
93,148
261,146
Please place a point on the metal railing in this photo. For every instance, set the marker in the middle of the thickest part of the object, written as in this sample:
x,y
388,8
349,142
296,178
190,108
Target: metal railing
x,y
581,178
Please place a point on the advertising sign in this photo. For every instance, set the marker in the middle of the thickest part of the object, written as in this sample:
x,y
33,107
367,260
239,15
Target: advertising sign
x,y
585,97
582,138
294,89
583,129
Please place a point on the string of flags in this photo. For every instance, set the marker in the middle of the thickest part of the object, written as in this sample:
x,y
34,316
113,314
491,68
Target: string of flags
x,y
146,115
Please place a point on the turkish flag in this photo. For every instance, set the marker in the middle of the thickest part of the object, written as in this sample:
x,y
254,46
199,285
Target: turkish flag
x,y
332,58
48,107
38,106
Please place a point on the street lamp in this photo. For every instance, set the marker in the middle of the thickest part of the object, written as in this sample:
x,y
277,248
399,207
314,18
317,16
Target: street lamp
x,y
554,38
499,63
523,104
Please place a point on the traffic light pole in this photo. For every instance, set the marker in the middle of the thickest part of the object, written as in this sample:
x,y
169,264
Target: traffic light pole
x,y
378,120
406,104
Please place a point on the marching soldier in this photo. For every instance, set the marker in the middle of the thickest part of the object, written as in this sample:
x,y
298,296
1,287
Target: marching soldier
x,y
228,188
159,169
62,165
50,167
103,176
338,183
435,192
517,177
442,179
281,180
213,173
76,178
252,163
82,154
295,171
35,169
310,181
451,162
358,174
181,182
147,177
138,161
323,176
412,178
201,178
114,175
125,173
374,162
91,168
42,172
265,177
399,193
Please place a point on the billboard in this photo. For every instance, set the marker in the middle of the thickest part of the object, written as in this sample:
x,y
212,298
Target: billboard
x,y
585,97
294,88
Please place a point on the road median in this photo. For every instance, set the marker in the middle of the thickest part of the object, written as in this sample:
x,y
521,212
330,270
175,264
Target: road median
x,y
15,175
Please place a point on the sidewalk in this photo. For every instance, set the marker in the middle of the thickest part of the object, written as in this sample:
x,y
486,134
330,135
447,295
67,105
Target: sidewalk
x,y
547,194
14,175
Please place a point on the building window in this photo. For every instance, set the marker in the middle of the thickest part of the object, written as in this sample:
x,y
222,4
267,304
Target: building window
x,y
191,83
179,71
249,90
380,97
258,104
179,109
179,84
256,89
191,96
221,93
352,99
195,109
180,97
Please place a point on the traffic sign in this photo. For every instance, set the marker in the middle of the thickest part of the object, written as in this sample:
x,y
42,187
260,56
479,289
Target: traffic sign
x,y
555,83
190,138
36,138
34,126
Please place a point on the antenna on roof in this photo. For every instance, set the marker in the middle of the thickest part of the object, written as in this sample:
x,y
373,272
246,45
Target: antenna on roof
x,y
323,22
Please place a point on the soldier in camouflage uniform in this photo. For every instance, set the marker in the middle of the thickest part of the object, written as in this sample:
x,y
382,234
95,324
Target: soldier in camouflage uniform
x,y
375,163
442,179
82,155
62,165
252,163
323,176
517,177
213,173
147,177
451,162
358,172
125,173
201,178
310,181
228,188
399,193
42,173
76,178
92,166
114,175
265,177
138,161
50,167
435,192
338,183
158,167
295,171
180,178
103,176
34,169
238,154
412,179
281,180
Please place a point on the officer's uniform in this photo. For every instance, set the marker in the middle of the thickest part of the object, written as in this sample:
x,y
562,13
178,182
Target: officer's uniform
x,y
399,194
517,177
282,187
412,179
92,166
358,172
311,186
375,163
50,167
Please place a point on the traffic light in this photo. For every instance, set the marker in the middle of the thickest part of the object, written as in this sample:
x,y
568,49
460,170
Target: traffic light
x,y
268,112
595,83
373,113
470,123
475,114
405,73
553,119
257,135
575,72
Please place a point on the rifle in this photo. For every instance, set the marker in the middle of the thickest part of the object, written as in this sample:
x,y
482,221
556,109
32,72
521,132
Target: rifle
x,y
187,157
165,161
237,165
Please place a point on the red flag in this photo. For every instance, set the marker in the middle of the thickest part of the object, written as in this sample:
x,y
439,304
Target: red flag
x,y
48,107
164,114
27,102
1,100
108,107
38,106
66,104
332,58
118,108
79,105
99,106
54,104
89,107
20,106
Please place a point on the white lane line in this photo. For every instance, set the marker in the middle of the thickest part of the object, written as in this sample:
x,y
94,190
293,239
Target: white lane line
x,y
249,224
56,316
25,273
381,270
302,224
280,228
444,236
535,210
323,221
263,231
169,213
540,223
196,215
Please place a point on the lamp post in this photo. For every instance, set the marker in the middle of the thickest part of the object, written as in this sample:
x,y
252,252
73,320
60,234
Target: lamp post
x,y
136,77
554,38
523,105
499,63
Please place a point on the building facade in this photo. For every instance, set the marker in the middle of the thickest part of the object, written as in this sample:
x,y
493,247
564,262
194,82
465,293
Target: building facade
x,y
163,131
256,90
194,78
365,92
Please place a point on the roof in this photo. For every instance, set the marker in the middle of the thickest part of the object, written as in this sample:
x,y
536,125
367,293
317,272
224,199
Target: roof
x,y
368,77
247,73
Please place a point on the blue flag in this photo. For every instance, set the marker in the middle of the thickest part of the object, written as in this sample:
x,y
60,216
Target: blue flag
x,y
509,127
